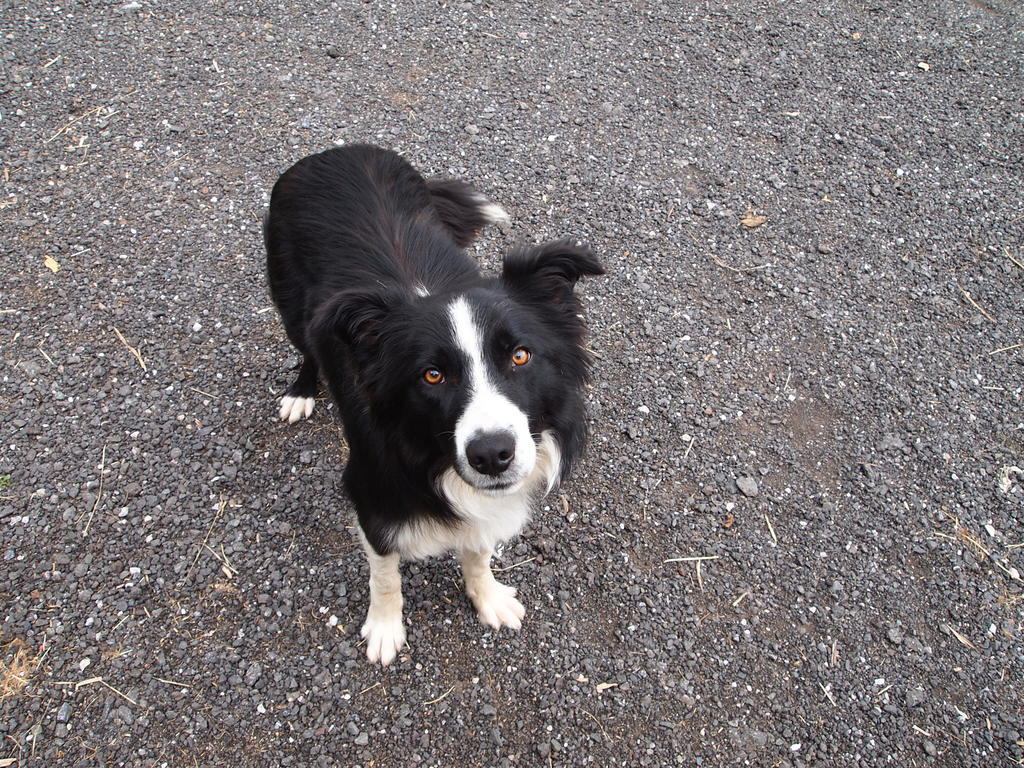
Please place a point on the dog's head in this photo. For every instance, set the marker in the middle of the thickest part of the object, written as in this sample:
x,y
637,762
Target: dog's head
x,y
472,379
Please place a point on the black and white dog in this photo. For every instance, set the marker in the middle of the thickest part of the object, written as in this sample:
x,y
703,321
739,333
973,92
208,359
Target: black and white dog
x,y
460,395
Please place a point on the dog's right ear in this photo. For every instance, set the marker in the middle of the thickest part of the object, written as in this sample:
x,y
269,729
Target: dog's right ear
x,y
550,271
353,318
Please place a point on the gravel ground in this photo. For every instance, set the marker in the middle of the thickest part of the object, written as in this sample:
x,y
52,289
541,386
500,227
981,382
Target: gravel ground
x,y
795,540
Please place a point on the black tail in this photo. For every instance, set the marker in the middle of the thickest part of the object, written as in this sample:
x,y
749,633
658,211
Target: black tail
x,y
462,209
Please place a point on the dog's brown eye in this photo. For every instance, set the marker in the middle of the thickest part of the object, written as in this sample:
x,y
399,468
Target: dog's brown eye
x,y
521,356
433,376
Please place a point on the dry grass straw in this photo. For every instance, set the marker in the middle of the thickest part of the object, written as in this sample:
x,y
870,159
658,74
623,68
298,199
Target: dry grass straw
x,y
977,306
101,681
99,492
206,538
1006,349
514,565
439,698
981,552
771,530
133,350
730,267
827,690
964,640
697,561
368,688
1006,251
16,668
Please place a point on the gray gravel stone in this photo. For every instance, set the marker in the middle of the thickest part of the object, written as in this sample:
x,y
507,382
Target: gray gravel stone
x,y
253,673
747,485
915,697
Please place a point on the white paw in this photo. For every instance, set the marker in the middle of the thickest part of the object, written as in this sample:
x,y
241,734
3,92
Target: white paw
x,y
385,637
497,607
295,408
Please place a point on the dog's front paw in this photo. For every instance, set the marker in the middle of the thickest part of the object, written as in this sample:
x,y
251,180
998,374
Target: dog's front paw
x,y
295,408
385,637
497,607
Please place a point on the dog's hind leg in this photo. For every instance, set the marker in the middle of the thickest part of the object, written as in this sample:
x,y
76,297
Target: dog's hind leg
x,y
298,401
496,604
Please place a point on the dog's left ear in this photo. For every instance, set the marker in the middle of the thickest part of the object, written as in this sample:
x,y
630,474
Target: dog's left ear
x,y
550,270
353,318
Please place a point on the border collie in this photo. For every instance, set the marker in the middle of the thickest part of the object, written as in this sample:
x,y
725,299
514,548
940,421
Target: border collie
x,y
460,395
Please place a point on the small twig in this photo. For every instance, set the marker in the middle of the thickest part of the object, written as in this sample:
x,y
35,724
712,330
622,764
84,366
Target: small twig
x,y
84,115
976,305
694,559
740,599
99,492
825,690
92,680
131,349
771,529
964,640
201,392
206,538
603,731
443,695
68,124
731,268
182,159
514,565
1006,251
879,694
368,688
689,447
229,570
721,263
1013,573
1006,349
43,352
171,682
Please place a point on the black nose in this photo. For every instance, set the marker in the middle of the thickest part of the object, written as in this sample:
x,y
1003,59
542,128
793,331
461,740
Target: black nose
x,y
490,454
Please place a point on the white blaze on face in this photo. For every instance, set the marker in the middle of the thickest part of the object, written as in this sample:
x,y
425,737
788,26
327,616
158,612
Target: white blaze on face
x,y
487,410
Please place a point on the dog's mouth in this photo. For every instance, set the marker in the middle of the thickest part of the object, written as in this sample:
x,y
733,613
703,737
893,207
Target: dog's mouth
x,y
492,486
502,489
